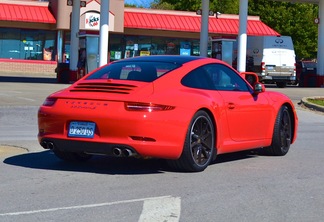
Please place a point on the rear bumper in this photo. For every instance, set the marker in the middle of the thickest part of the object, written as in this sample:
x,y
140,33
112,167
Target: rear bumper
x,y
155,134
142,149
278,78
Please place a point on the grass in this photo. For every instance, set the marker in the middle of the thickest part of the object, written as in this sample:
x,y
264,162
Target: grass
x,y
317,101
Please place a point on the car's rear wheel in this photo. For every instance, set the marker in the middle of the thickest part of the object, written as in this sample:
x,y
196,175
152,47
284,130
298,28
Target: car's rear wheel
x,y
281,138
198,150
71,156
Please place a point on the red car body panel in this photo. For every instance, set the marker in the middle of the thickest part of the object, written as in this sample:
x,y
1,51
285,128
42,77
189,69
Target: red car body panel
x,y
242,121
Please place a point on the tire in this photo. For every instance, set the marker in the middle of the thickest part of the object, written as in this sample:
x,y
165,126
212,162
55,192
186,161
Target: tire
x,y
281,84
72,157
198,150
281,138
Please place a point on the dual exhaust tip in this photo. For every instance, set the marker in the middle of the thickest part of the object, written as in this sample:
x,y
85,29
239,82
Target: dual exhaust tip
x,y
48,145
123,152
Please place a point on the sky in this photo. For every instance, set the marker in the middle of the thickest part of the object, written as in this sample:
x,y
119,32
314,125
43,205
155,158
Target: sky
x,y
144,3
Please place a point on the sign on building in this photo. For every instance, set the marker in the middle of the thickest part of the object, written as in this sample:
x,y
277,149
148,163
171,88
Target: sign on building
x,y
92,21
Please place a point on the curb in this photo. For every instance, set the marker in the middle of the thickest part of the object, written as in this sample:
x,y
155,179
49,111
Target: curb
x,y
312,105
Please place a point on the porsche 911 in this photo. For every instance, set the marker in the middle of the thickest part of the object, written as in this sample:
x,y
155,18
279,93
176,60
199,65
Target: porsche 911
x,y
184,109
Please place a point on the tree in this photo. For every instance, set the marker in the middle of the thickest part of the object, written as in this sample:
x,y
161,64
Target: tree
x,y
223,6
131,5
157,4
295,20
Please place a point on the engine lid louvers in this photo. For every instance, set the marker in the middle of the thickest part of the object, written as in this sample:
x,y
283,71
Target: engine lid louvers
x,y
104,87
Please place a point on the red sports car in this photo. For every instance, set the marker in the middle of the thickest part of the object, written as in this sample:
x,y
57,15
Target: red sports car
x,y
180,108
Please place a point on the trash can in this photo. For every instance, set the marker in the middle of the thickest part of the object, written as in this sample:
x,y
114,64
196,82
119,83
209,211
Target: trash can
x,y
63,73
306,73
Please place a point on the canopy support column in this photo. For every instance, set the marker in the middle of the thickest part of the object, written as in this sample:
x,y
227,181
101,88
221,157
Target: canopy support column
x,y
242,38
320,46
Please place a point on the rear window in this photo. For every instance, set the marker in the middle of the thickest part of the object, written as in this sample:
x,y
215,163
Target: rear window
x,y
137,71
310,64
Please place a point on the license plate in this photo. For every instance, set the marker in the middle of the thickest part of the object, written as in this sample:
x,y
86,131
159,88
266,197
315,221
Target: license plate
x,y
270,67
82,129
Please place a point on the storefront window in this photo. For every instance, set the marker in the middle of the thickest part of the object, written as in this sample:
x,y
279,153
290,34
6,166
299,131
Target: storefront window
x,y
127,46
116,46
27,44
66,47
195,48
144,45
158,46
131,48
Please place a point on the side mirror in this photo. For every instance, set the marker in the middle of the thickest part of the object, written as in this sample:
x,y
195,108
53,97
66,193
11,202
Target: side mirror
x,y
253,79
250,77
258,88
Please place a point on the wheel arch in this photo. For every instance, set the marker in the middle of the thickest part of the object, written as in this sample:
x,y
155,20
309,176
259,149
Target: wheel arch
x,y
293,119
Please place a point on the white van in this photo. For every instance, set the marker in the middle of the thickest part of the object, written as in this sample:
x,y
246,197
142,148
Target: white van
x,y
273,58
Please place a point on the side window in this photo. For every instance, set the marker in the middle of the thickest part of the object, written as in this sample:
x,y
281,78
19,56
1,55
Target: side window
x,y
225,78
198,78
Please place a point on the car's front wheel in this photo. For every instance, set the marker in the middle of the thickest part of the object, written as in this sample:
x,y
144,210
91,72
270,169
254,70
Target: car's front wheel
x,y
199,146
282,132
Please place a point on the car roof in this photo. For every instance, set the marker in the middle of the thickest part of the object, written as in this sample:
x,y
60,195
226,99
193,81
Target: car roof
x,y
163,58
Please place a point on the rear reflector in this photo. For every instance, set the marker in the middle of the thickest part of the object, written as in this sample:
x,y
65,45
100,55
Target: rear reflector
x,y
142,138
49,101
146,107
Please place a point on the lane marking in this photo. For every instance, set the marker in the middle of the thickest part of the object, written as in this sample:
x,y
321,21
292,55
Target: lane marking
x,y
162,209
24,98
152,201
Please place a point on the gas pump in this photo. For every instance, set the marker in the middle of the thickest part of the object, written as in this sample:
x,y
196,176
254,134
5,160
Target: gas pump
x,y
88,53
226,50
223,49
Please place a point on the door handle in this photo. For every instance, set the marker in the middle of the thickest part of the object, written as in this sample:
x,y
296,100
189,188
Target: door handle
x,y
231,105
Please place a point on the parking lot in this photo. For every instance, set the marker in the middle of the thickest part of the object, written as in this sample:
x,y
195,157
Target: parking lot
x,y
36,186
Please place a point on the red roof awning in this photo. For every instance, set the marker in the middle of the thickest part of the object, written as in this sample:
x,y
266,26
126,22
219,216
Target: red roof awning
x,y
26,13
187,23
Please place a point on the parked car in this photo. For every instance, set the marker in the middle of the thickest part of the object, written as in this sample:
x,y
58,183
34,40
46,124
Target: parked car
x,y
303,68
273,59
181,108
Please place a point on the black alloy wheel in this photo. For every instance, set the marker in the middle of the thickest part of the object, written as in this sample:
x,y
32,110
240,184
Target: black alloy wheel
x,y
199,149
282,133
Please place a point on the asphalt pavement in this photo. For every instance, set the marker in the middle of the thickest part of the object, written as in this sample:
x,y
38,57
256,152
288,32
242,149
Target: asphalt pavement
x,y
30,89
20,93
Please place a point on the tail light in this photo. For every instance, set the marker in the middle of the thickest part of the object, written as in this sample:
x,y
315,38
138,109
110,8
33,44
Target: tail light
x,y
263,66
146,107
49,101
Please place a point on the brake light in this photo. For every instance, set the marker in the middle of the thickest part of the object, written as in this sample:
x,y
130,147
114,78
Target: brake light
x,y
146,107
49,101
263,66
